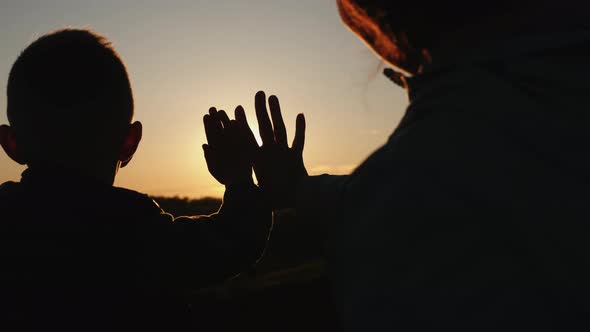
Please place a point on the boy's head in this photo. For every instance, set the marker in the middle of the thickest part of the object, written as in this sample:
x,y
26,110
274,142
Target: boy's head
x,y
70,104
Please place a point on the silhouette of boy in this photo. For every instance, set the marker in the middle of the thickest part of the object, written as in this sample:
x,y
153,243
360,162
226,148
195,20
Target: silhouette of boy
x,y
78,253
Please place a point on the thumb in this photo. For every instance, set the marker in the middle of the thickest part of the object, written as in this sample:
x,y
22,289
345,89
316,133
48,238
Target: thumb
x,y
207,153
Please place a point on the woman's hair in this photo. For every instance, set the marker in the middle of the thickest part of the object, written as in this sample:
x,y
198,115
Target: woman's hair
x,y
420,20
405,32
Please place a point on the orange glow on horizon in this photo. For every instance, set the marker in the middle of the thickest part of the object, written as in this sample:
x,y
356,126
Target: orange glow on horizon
x,y
181,61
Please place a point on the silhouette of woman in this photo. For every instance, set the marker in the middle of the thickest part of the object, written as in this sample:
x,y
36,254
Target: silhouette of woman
x,y
473,216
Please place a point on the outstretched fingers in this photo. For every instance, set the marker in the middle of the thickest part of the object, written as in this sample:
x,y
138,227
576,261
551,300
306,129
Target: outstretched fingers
x,y
223,118
299,140
212,126
242,124
240,115
264,124
209,158
280,133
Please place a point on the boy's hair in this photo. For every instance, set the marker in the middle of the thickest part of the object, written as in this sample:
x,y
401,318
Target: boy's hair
x,y
68,94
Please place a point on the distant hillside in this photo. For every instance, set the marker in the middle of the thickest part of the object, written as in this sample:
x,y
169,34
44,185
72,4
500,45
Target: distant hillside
x,y
183,206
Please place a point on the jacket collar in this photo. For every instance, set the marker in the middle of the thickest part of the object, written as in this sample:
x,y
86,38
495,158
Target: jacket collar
x,y
56,178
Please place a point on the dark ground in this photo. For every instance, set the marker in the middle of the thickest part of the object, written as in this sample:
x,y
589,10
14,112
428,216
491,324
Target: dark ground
x,y
287,291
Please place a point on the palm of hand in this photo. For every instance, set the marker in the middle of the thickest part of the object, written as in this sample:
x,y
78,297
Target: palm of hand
x,y
278,167
232,150
229,150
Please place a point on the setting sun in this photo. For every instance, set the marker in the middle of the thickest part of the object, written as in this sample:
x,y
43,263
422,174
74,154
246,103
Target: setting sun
x,y
184,57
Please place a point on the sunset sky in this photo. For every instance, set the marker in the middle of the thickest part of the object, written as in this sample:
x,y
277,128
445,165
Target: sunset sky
x,y
185,56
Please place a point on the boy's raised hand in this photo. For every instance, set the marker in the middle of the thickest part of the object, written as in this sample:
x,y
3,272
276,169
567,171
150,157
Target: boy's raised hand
x,y
230,149
278,167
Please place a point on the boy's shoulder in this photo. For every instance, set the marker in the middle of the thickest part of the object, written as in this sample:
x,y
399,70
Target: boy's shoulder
x,y
120,201
8,185
9,189
12,198
139,201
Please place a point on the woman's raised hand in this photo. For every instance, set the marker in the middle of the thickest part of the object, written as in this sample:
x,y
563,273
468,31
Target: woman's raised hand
x,y
278,167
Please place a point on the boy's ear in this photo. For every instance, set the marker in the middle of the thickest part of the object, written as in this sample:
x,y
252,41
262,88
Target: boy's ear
x,y
8,142
130,143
